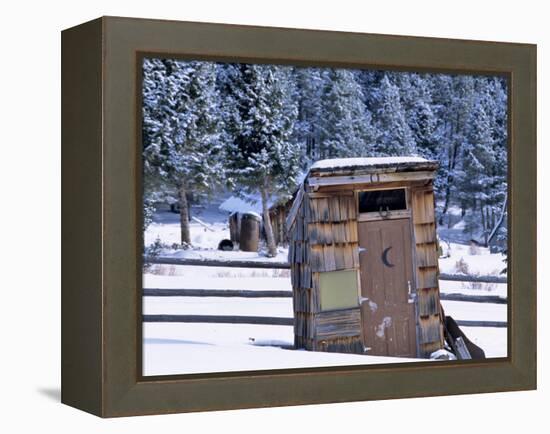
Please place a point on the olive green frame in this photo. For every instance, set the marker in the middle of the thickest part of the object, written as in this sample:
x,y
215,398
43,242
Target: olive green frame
x,y
101,290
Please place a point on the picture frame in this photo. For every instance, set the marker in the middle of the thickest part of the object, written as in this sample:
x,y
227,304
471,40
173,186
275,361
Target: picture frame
x,y
101,192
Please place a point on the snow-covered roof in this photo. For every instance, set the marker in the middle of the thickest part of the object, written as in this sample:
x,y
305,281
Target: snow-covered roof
x,y
352,167
364,161
407,163
249,203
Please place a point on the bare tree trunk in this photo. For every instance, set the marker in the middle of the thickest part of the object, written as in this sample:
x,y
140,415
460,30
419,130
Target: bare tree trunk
x,y
271,246
483,223
450,180
184,216
500,219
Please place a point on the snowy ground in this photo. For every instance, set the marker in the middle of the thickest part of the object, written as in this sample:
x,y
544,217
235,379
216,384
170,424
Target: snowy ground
x,y
175,348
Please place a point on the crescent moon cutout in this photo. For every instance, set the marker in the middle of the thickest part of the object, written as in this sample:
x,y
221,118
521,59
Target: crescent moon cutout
x,y
385,257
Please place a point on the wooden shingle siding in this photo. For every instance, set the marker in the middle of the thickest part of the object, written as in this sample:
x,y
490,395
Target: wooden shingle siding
x,y
427,272
423,206
332,233
333,257
338,323
324,238
425,233
330,208
305,300
426,278
430,329
428,348
304,325
426,255
352,344
428,302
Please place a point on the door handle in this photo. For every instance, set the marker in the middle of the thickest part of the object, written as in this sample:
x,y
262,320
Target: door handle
x,y
410,294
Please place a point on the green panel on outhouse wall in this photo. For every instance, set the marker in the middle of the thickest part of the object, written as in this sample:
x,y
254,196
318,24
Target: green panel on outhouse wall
x,y
338,290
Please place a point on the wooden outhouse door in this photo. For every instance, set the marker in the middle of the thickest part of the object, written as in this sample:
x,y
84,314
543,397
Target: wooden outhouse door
x,y
389,327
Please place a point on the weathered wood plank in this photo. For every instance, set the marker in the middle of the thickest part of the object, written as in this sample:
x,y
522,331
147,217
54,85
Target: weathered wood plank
x,y
374,178
426,255
296,205
465,278
425,233
428,301
430,329
217,262
335,324
243,293
493,299
286,265
220,319
423,206
426,278
473,323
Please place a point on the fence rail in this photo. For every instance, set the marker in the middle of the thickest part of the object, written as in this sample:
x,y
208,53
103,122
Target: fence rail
x,y
266,264
244,293
264,320
221,319
247,293
269,320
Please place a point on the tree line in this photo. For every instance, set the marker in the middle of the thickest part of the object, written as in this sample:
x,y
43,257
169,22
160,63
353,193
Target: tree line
x,y
255,129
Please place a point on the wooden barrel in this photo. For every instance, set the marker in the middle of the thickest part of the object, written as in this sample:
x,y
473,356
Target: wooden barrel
x,y
249,236
234,227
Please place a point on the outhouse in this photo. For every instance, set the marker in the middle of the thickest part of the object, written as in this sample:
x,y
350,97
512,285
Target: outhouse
x,y
364,258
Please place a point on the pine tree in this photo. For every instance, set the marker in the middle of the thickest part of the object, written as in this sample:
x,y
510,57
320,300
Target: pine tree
x,y
416,99
182,129
309,95
261,156
483,184
477,169
454,98
395,136
346,129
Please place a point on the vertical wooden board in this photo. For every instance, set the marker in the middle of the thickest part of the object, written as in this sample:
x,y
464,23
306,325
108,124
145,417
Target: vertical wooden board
x,y
334,208
428,201
298,229
313,233
339,257
348,259
306,210
343,206
352,207
423,206
430,329
426,255
316,259
327,233
330,261
336,231
426,278
312,210
354,236
348,256
355,255
324,210
428,302
425,233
